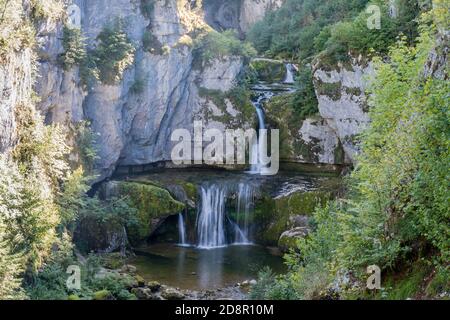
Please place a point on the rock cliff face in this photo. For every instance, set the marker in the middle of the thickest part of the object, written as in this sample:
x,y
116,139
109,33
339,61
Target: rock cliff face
x,y
343,101
237,14
133,127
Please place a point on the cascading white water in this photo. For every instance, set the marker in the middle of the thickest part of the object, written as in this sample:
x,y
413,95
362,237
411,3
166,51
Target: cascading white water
x,y
244,208
211,218
213,221
181,230
255,161
289,74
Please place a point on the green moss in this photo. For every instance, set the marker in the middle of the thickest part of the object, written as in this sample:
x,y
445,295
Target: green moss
x,y
113,260
283,114
272,215
151,202
332,90
339,154
269,70
287,243
190,189
73,297
102,295
239,98
440,283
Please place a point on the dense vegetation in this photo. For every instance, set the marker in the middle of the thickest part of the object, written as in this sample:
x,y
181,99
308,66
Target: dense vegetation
x,y
324,31
42,189
395,214
301,29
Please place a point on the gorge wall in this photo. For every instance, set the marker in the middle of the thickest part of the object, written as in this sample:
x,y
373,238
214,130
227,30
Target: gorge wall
x,y
166,87
134,127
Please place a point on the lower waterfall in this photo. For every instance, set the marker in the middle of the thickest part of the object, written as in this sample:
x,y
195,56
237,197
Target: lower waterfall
x,y
182,230
215,226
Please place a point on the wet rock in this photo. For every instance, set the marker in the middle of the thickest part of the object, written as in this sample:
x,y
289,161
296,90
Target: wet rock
x,y
288,239
172,294
154,286
102,295
128,268
143,293
140,281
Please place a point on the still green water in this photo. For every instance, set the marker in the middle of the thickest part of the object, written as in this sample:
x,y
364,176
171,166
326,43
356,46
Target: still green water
x,y
196,269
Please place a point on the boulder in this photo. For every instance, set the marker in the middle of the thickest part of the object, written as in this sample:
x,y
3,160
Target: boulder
x,y
172,294
288,239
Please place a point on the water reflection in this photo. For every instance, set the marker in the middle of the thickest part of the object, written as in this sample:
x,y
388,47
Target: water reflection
x,y
210,268
192,268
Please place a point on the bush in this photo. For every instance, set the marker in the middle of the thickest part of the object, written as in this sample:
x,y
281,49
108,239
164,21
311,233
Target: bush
x,y
113,54
74,48
396,209
304,99
216,45
151,43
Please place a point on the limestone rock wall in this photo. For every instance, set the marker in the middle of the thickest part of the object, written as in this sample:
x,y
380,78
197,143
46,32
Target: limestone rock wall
x,y
237,14
134,128
343,102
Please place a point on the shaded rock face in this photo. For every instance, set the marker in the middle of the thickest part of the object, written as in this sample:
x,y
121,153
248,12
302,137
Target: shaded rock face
x,y
134,128
321,141
343,102
239,15
15,89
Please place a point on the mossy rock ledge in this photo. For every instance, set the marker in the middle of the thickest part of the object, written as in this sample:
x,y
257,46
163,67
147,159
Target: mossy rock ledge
x,y
153,204
269,70
274,216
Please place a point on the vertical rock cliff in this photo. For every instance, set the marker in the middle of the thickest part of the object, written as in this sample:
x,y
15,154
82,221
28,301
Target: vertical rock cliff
x,y
164,88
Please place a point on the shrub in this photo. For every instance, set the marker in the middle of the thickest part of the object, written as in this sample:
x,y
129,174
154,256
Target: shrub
x,y
74,48
113,54
151,43
216,45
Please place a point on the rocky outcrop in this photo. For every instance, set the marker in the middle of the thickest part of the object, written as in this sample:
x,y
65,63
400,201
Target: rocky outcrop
x,y
151,203
343,102
239,15
253,11
274,216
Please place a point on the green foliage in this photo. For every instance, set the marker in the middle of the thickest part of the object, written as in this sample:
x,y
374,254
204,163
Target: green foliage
x,y
50,282
11,267
304,100
397,205
74,47
113,53
271,287
290,31
354,36
151,43
217,45
85,144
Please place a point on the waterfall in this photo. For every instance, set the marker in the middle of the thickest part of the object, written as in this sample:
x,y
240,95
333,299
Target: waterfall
x,y
256,165
244,208
213,221
181,230
289,74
